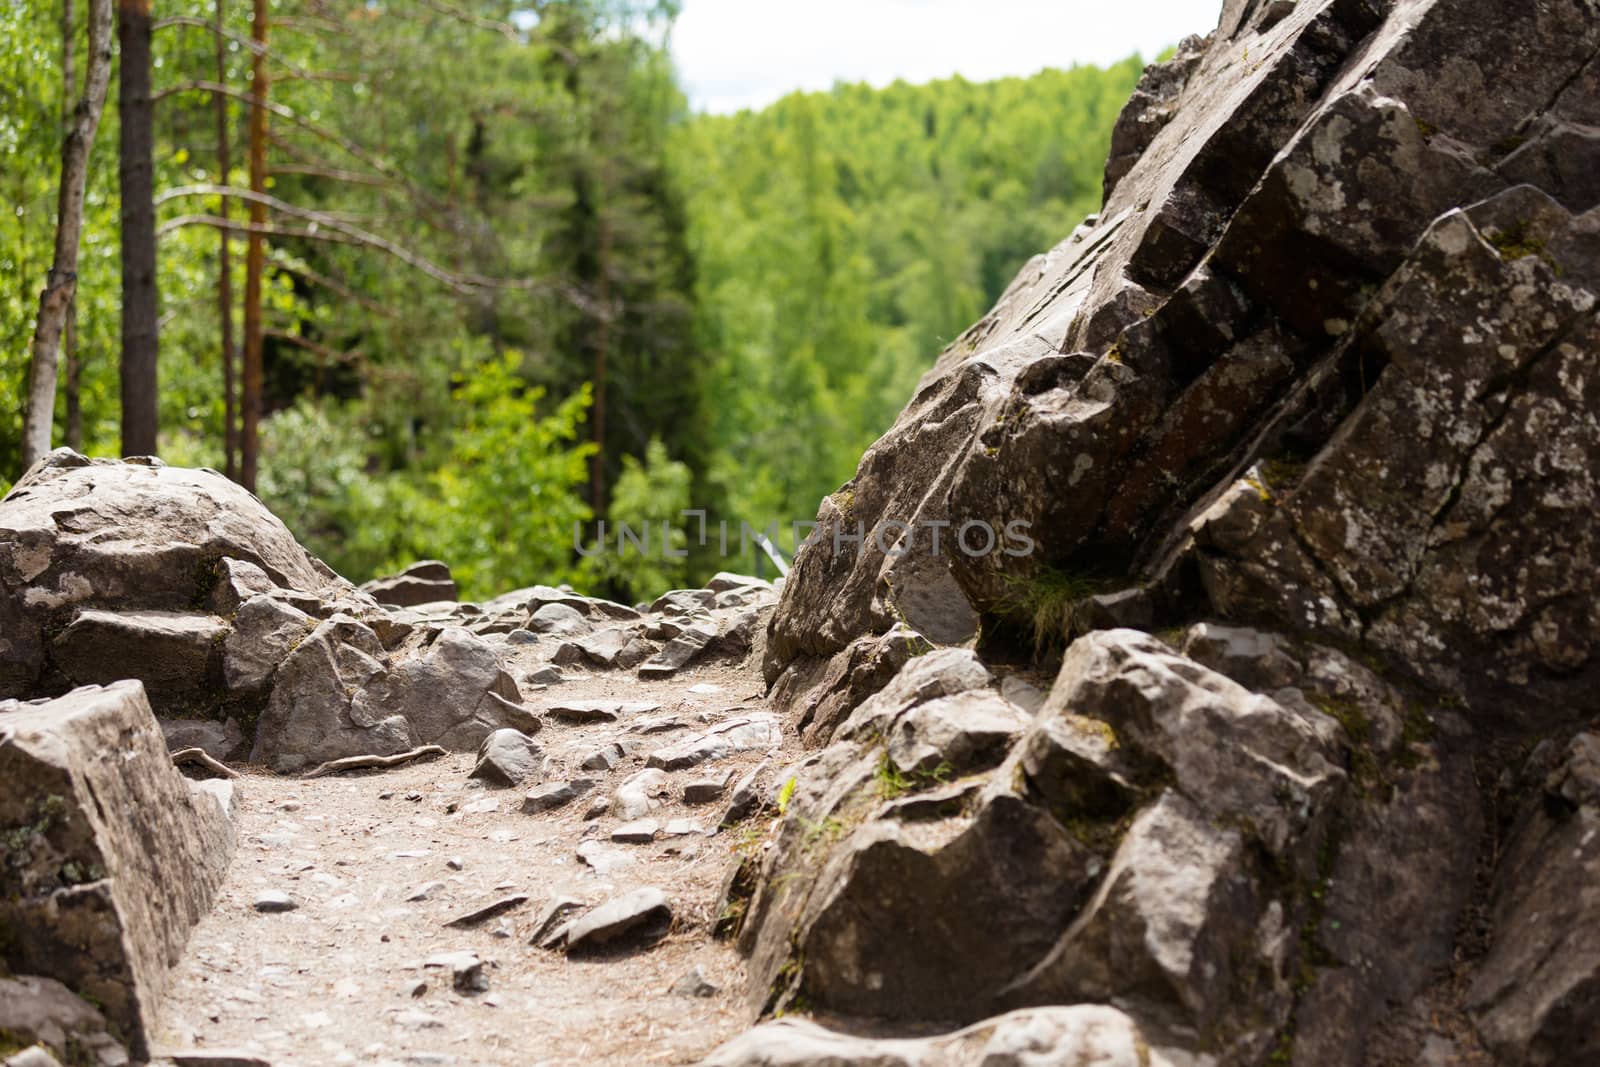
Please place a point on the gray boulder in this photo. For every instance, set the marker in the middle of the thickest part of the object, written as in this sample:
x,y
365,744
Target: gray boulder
x,y
175,654
45,1014
133,536
1536,996
111,858
265,630
1240,755
340,693
1039,1037
427,582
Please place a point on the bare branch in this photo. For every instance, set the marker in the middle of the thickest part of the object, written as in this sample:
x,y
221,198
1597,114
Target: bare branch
x,y
328,355
324,133
325,228
348,177
255,47
505,29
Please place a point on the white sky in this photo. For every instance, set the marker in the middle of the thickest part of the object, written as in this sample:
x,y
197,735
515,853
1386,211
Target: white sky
x,y
747,53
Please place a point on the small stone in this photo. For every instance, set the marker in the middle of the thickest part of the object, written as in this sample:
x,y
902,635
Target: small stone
x,y
705,689
488,911
598,808
210,1057
456,863
638,832
705,790
747,795
549,674
593,711
603,759
466,971
557,619
423,891
554,795
637,797
740,734
550,918
643,913
682,828
507,758
273,901
417,989
694,984
417,1020
603,858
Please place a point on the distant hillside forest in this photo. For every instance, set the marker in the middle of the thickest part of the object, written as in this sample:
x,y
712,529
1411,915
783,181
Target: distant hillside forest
x,y
446,279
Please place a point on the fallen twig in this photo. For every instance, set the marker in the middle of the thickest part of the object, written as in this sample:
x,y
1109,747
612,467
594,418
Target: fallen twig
x,y
199,757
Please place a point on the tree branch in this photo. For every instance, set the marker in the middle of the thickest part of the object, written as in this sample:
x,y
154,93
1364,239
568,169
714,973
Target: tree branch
x,y
505,29
317,130
323,228
316,348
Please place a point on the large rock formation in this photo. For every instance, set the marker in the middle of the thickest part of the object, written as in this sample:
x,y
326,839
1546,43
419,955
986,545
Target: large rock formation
x,y
1326,232
1293,449
182,580
109,856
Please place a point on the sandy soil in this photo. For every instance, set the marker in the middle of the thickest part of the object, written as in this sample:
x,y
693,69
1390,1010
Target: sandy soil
x,y
334,981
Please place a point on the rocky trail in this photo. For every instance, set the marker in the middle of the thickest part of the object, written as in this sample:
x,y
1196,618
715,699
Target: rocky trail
x,y
1278,747
379,863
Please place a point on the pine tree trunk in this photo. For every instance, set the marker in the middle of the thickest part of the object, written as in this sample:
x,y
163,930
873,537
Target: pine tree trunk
x,y
62,283
255,255
230,422
602,346
136,175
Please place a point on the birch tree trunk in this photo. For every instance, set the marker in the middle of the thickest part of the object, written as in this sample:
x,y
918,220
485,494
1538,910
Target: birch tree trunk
x,y
69,102
62,282
230,421
255,254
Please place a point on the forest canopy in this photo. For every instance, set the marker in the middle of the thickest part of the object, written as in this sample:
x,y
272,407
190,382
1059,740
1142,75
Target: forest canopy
x,y
446,279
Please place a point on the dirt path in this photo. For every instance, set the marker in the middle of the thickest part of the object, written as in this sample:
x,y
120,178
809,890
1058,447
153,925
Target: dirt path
x,y
334,980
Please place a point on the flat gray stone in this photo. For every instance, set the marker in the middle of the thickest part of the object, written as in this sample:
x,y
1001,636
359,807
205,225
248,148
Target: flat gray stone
x,y
591,711
641,914
742,734
274,901
554,795
705,790
639,832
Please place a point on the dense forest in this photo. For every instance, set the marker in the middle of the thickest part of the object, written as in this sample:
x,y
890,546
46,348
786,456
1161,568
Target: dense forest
x,y
448,278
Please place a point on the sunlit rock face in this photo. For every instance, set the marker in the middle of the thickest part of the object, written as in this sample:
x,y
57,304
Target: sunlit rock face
x,y
1347,257
1303,429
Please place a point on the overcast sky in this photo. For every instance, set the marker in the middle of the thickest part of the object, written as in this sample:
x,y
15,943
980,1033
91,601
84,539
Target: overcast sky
x,y
747,53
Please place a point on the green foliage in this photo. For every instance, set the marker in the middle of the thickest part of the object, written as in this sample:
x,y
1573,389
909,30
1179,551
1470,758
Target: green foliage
x,y
504,503
843,238
648,500
891,782
750,298
786,794
1046,601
